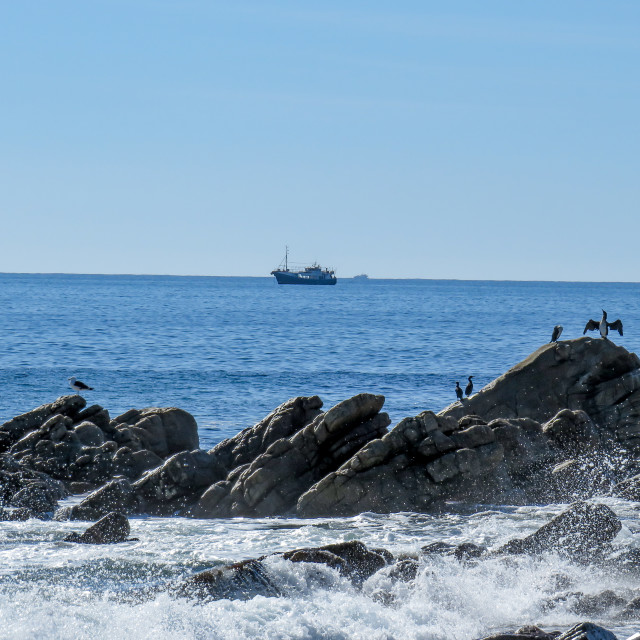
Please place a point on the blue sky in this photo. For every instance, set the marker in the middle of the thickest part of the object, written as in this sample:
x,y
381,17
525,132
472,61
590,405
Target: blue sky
x,y
474,140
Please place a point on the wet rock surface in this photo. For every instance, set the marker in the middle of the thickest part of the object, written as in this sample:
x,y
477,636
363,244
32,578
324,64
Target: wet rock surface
x,y
583,530
110,529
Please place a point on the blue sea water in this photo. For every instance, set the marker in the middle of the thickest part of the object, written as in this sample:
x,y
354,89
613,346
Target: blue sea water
x,y
229,350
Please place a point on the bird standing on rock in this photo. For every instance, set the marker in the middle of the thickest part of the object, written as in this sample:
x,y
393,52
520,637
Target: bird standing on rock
x,y
603,326
76,385
459,391
469,387
557,330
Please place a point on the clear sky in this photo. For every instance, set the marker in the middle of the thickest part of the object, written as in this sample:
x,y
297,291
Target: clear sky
x,y
463,139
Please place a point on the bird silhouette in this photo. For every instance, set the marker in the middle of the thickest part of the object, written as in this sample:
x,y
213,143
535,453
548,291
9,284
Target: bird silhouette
x,y
76,385
557,330
603,326
459,391
469,388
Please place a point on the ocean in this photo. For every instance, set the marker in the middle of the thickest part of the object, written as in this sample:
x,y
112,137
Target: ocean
x,y
229,350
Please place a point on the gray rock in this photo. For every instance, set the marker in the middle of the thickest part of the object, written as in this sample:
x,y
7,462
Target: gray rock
x,y
177,483
38,497
249,578
16,428
587,631
413,467
583,529
19,514
111,528
573,431
95,414
283,422
578,479
89,434
586,374
117,495
163,431
240,581
273,482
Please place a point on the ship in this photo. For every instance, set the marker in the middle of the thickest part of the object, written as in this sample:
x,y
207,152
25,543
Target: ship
x,y
314,274
361,277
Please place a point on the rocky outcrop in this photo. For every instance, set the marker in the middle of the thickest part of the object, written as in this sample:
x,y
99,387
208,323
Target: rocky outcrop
x,y
261,471
272,483
559,426
407,469
553,428
586,374
83,445
18,427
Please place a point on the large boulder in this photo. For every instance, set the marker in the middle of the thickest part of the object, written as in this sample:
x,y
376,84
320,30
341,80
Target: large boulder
x,y
163,431
176,484
587,374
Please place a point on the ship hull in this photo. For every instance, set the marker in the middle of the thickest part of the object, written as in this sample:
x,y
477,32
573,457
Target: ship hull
x,y
283,277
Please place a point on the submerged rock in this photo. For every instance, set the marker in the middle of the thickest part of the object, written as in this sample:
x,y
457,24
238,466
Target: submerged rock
x,y
582,631
587,631
249,578
112,528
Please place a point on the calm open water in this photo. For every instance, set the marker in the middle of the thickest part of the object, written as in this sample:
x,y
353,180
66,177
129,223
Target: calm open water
x,y
229,350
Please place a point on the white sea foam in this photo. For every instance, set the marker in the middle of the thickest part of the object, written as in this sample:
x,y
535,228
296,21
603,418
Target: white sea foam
x,y
53,589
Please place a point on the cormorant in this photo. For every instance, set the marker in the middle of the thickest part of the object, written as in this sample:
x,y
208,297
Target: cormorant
x,y
469,387
459,391
603,326
76,385
557,330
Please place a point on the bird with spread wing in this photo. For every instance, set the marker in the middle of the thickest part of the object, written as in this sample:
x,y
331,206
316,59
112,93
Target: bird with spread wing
x,y
603,326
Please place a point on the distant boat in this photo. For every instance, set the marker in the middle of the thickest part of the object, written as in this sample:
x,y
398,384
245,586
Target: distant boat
x,y
362,276
314,274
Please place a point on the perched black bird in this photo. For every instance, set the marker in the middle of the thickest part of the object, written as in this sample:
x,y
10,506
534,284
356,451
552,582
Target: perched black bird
x,y
603,326
459,391
76,385
557,330
469,388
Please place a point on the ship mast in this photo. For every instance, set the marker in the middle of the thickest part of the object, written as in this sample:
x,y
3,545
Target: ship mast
x,y
286,256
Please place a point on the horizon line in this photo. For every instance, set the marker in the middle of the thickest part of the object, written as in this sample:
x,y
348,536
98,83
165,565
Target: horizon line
x,y
172,275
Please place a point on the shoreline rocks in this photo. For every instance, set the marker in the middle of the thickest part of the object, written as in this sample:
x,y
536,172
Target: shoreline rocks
x,y
563,424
